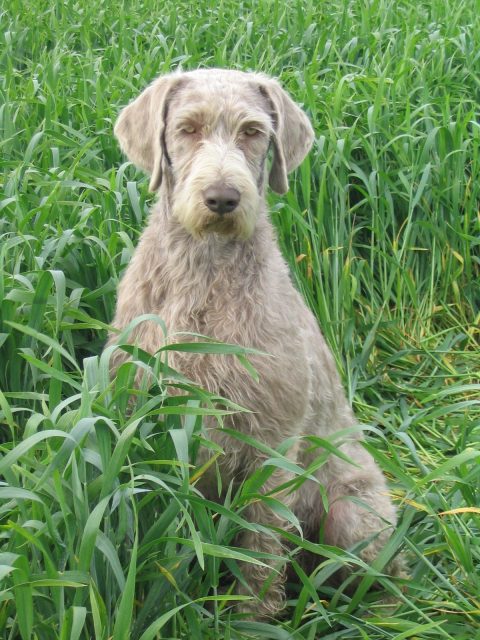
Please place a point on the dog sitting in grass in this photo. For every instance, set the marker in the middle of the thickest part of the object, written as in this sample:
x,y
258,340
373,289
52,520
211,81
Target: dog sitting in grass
x,y
208,262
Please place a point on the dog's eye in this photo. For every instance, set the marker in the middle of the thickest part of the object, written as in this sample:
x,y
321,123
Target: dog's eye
x,y
251,131
188,128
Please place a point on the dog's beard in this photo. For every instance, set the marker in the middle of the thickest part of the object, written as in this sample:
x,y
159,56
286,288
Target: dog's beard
x,y
199,221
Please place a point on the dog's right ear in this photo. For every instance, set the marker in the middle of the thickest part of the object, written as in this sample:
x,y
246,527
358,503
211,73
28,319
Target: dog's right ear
x,y
140,128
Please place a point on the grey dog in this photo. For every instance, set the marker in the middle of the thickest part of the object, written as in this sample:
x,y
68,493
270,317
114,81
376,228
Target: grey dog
x,y
208,262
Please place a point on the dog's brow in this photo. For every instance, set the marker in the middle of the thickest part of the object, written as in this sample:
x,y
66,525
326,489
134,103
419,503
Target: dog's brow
x,y
244,117
264,124
201,115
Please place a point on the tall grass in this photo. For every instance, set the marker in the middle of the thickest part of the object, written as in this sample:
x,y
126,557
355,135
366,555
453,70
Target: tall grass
x,y
103,531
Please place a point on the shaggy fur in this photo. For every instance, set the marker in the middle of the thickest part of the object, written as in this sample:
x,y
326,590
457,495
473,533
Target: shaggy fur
x,y
222,275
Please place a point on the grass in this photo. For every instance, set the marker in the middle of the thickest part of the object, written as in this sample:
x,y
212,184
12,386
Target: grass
x,y
103,533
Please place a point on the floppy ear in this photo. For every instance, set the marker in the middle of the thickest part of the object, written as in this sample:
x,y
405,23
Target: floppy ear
x,y
293,135
140,128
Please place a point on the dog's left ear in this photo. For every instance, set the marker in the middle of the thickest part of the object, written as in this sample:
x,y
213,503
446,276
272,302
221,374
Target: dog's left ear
x,y
293,135
140,128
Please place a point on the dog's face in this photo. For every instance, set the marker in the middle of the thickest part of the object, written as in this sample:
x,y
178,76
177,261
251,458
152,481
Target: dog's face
x,y
211,130
217,137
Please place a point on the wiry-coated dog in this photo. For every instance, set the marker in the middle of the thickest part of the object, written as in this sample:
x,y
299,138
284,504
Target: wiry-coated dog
x,y
208,262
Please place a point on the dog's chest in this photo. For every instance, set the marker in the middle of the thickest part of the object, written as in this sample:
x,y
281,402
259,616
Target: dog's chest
x,y
222,300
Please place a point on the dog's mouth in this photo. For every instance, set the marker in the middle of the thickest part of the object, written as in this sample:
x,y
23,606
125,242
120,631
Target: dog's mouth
x,y
200,221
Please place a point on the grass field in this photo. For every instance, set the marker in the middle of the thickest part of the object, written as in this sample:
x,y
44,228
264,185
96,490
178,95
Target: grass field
x,y
103,534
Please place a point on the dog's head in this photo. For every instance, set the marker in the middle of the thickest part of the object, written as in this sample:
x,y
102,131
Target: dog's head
x,y
211,131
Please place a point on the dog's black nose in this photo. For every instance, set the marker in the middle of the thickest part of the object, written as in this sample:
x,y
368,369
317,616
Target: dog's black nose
x,y
221,199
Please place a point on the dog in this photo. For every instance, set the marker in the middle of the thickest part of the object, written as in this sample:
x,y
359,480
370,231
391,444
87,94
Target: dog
x,y
208,263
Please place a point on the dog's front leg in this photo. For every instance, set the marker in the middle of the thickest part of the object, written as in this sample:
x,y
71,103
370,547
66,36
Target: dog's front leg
x,y
266,583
